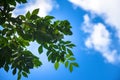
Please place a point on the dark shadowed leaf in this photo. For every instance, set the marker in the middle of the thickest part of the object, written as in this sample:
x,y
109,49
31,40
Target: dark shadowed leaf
x,y
19,76
49,57
26,69
22,17
55,46
40,49
69,52
63,47
24,74
48,52
67,42
70,45
14,71
6,67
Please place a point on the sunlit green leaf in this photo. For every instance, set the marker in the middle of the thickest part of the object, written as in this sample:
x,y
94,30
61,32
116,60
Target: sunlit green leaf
x,y
68,55
37,63
75,64
49,17
56,65
71,58
66,64
28,15
35,12
71,67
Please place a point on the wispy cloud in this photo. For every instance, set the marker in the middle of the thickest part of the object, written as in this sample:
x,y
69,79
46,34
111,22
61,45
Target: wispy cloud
x,y
45,7
107,9
99,40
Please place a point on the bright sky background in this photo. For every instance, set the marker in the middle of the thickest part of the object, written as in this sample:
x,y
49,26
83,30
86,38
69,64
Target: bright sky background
x,y
96,33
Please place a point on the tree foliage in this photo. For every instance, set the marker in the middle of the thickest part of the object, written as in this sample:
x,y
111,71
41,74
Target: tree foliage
x,y
18,32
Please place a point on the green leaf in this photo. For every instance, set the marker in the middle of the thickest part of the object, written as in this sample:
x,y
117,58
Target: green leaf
x,y
75,64
33,17
11,9
28,15
69,51
48,52
63,47
30,65
19,76
37,63
49,17
56,65
4,31
22,17
68,55
71,58
26,69
71,67
66,64
35,12
12,3
40,49
24,74
2,20
6,67
23,1
14,71
67,42
46,46
27,53
49,57
55,46
70,45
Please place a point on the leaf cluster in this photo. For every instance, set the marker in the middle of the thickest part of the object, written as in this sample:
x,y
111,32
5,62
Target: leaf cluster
x,y
18,32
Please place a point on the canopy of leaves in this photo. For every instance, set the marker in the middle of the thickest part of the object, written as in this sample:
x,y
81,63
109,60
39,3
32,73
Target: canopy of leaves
x,y
18,32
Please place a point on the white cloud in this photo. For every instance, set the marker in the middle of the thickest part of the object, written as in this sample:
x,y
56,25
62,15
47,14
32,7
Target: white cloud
x,y
100,40
107,9
99,37
45,7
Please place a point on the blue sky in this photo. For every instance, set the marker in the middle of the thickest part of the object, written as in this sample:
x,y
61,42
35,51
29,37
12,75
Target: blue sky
x,y
96,33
